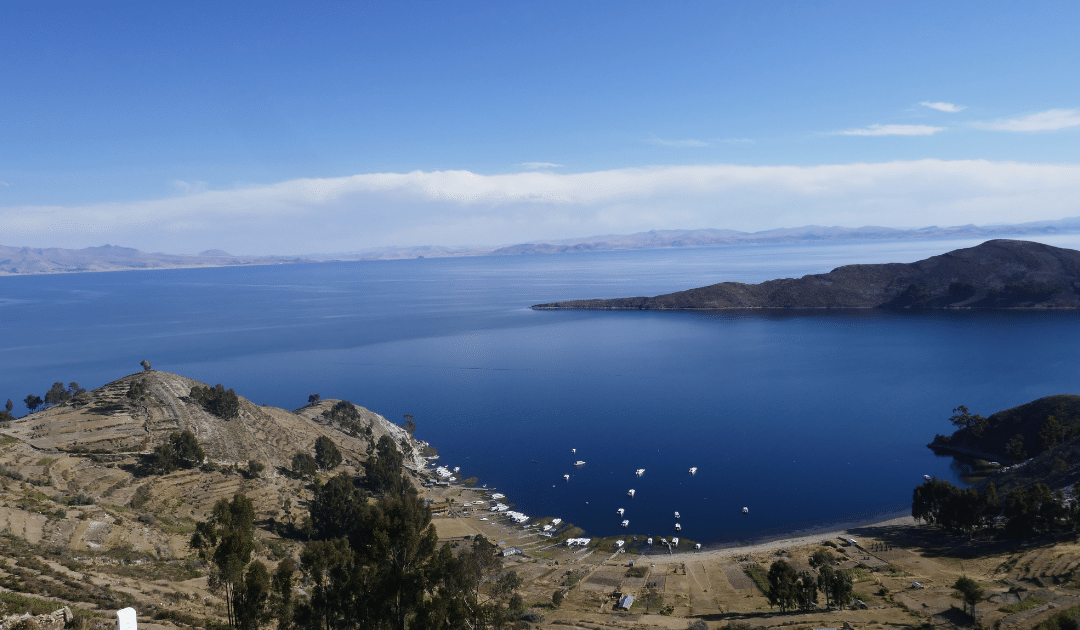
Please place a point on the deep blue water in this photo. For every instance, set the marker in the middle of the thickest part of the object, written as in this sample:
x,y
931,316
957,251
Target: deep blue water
x,y
802,416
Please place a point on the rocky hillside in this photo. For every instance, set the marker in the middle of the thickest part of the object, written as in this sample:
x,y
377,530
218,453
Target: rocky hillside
x,y
85,523
1045,438
997,274
107,420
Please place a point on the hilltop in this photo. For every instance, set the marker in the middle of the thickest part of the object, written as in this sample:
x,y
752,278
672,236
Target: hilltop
x,y
996,274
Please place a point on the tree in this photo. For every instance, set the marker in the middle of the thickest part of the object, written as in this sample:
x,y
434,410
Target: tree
x,y
252,596
971,592
32,402
56,394
383,470
840,588
1051,433
327,455
821,558
255,468
182,450
337,507
806,590
227,540
1014,450
398,541
145,365
409,425
9,406
783,585
313,398
281,597
961,417
303,465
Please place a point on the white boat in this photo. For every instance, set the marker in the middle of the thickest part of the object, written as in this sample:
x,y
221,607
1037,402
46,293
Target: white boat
x,y
631,493
566,477
926,477
693,470
556,521
620,511
640,472
677,515
579,463
746,510
649,541
678,527
573,450
625,523
675,541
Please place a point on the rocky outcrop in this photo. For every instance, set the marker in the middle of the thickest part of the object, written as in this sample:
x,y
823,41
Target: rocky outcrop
x,y
997,274
55,620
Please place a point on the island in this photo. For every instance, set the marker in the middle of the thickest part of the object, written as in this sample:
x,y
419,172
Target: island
x,y
997,274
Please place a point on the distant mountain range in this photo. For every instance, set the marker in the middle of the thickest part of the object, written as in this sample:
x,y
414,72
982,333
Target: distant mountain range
x,y
997,274
27,260
30,260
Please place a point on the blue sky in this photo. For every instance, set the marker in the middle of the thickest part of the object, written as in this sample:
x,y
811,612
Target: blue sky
x,y
264,127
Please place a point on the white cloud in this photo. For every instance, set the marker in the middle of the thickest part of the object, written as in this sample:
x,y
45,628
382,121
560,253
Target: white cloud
x,y
534,166
1050,120
464,208
677,143
943,107
4,184
894,130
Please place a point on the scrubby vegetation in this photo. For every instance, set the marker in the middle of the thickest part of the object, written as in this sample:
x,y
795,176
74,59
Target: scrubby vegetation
x,y
223,403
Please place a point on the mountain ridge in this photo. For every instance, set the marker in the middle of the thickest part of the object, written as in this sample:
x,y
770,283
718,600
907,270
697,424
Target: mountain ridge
x,y
1000,273
29,260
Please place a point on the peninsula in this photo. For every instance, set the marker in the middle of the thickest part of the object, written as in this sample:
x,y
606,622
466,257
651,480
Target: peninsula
x,y
996,274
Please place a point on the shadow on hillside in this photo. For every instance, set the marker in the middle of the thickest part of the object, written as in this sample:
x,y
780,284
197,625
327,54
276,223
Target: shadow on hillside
x,y
934,542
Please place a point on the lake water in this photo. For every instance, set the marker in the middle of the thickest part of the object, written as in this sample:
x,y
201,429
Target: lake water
x,y
803,417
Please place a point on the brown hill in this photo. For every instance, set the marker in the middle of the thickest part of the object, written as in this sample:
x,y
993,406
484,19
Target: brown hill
x,y
105,420
996,274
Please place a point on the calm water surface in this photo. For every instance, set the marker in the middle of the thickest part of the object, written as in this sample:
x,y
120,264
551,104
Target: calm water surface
x,y
800,416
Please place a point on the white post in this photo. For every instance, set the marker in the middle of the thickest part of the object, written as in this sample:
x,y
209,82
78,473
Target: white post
x,y
125,619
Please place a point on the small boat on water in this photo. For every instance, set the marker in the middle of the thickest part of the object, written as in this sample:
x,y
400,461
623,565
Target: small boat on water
x,y
620,511
566,477
677,515
693,470
678,527
625,523
579,463
573,450
746,510
631,493
926,477
640,472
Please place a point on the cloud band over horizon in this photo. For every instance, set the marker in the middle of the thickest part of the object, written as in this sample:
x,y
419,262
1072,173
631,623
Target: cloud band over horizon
x,y
463,208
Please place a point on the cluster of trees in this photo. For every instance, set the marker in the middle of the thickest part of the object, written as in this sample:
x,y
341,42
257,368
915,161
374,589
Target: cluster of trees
x,y
57,394
1025,513
327,457
791,590
5,415
182,450
374,562
223,403
347,416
